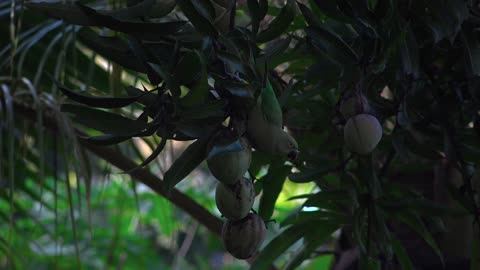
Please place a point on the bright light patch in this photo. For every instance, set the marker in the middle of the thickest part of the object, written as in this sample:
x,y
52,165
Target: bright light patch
x,y
310,208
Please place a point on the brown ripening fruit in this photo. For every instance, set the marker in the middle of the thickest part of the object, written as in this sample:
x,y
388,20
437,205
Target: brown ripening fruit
x,y
242,238
362,133
235,201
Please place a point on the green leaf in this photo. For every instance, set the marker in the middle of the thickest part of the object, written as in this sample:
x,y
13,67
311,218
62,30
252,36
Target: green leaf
x,y
321,216
445,18
280,24
99,102
310,18
358,227
253,10
201,23
139,10
401,254
420,205
236,64
188,68
150,158
141,29
200,91
236,88
272,186
409,54
312,240
107,139
146,98
70,13
421,149
162,8
475,260
74,14
186,163
321,198
103,121
262,8
154,73
332,45
213,108
330,9
278,246
416,223
311,174
112,48
194,128
257,11
275,48
372,4
205,8
172,84
471,52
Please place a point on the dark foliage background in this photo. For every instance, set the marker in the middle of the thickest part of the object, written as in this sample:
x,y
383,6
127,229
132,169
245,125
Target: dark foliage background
x,y
158,78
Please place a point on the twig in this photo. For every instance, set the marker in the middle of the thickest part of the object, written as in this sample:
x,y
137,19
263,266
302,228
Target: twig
x,y
186,243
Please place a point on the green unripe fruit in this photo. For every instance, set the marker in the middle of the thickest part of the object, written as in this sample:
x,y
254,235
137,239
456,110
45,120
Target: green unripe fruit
x,y
362,133
354,105
235,201
242,238
228,167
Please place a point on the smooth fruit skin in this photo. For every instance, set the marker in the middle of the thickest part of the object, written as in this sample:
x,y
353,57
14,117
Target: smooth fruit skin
x,y
228,167
354,105
235,201
362,133
242,238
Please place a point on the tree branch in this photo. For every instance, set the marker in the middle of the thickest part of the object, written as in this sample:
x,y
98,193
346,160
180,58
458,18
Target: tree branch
x,y
213,223
118,159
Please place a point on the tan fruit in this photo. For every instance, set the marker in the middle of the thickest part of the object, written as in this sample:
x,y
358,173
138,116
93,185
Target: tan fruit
x,y
228,167
242,238
362,133
235,201
354,105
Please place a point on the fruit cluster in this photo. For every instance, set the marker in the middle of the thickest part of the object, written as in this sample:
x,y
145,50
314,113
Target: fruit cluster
x,y
244,232
362,131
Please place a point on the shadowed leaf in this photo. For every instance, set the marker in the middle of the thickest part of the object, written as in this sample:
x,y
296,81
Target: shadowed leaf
x,y
106,122
186,163
99,102
279,24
